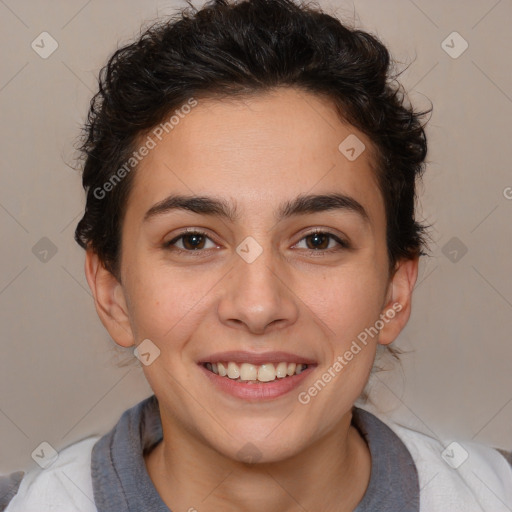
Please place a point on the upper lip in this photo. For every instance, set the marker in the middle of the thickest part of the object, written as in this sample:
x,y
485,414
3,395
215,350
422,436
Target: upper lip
x,y
256,358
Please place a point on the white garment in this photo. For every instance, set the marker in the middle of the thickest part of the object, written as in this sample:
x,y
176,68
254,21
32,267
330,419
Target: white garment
x,y
482,483
65,486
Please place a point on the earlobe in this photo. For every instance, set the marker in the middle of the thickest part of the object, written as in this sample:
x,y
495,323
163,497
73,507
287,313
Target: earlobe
x,y
109,300
397,310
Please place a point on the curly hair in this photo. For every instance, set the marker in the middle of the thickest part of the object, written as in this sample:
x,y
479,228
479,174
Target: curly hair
x,y
240,49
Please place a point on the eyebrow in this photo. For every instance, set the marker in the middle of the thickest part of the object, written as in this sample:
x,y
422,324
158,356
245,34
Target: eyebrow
x,y
302,204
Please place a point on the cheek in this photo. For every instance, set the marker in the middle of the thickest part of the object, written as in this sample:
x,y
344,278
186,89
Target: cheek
x,y
347,301
165,302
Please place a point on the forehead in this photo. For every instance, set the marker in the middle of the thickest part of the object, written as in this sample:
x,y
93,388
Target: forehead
x,y
258,151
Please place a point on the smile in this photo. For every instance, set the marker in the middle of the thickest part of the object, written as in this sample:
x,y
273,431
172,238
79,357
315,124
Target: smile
x,y
242,380
249,373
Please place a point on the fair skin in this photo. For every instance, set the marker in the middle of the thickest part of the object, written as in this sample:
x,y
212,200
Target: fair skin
x,y
256,154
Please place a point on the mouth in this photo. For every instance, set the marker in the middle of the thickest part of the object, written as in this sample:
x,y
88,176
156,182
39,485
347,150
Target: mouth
x,y
256,377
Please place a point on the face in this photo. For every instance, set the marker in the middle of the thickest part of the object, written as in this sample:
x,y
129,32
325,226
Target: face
x,y
255,272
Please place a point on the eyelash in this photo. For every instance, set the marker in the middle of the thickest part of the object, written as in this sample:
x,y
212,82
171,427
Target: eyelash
x,y
342,244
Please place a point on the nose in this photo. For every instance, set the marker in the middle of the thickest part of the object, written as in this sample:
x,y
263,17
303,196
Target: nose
x,y
257,296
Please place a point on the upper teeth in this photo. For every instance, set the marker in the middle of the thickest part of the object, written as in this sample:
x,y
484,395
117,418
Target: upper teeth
x,y
264,373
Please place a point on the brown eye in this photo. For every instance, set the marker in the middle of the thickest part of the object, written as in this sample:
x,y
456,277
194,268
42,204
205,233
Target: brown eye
x,y
190,241
193,241
320,241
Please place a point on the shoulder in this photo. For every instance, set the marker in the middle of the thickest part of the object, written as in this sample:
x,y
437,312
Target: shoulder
x,y
457,475
64,486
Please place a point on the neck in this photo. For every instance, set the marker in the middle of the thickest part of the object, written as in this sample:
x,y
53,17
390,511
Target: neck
x,y
330,475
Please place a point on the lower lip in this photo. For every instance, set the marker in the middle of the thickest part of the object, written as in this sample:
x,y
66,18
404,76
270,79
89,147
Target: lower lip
x,y
257,391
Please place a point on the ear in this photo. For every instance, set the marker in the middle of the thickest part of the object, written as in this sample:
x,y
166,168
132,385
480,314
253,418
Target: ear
x,y
109,300
397,309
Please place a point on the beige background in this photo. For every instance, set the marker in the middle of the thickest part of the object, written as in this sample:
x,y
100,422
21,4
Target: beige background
x,y
59,377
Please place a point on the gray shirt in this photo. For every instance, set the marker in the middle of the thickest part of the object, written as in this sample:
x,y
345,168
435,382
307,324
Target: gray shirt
x,y
121,482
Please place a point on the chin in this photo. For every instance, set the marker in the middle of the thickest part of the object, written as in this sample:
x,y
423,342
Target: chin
x,y
252,449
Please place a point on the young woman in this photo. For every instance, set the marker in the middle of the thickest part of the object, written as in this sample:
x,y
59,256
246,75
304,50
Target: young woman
x,y
250,231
